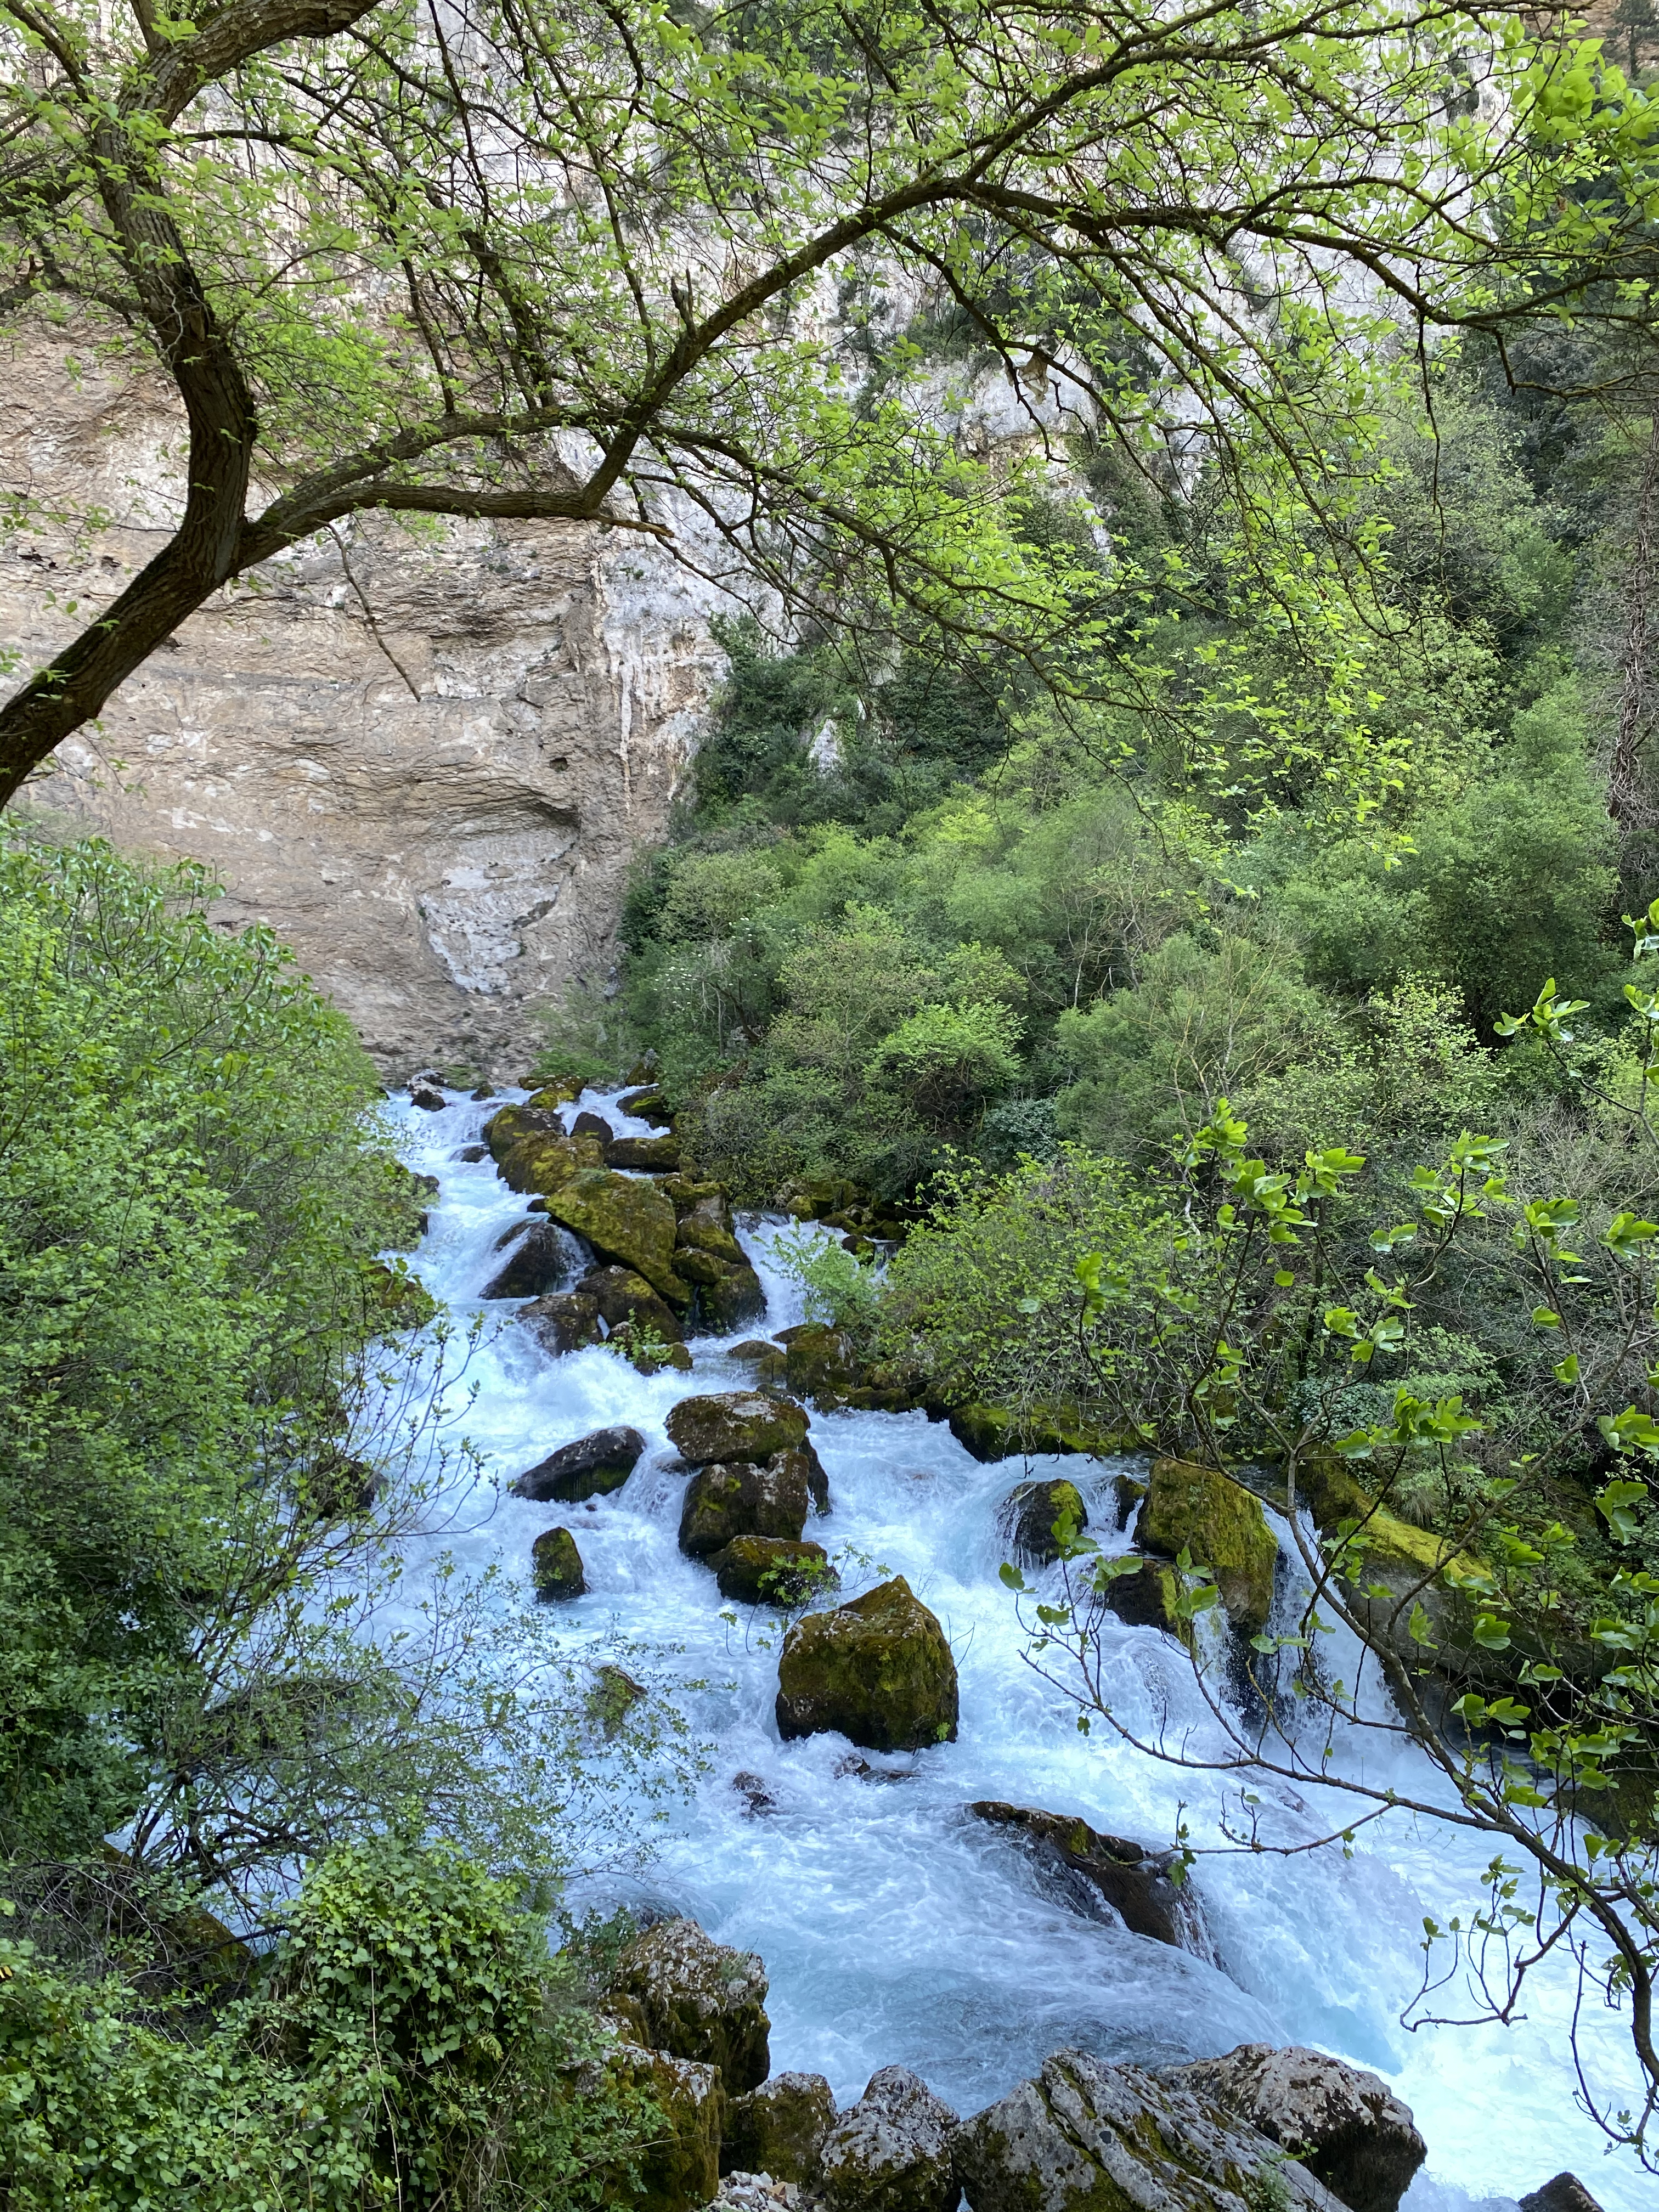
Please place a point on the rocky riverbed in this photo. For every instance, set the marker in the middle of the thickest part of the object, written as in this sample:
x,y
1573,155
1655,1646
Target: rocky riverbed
x,y
940,1905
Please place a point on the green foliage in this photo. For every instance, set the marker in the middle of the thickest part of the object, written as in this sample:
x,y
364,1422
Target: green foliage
x,y
842,1289
409,2043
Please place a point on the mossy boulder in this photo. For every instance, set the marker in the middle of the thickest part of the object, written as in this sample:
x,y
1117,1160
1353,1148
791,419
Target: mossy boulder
x,y
821,1363
624,1298
811,1468
679,2165
878,1670
1193,1509
655,1155
555,1090
779,2128
893,2151
993,1432
540,1260
734,1297
626,1219
772,1570
735,1424
590,1467
555,1565
701,2000
1034,1513
1145,1597
724,1502
564,1320
1135,1882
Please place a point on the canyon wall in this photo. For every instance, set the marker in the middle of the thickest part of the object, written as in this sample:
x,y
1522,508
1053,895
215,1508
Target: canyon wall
x,y
426,761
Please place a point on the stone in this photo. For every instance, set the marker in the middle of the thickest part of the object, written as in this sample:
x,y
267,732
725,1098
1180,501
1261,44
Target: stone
x,y
1564,2193
756,1798
734,1297
1030,1514
1088,2137
772,1570
1146,1598
779,2128
624,1298
565,1321
679,2165
701,2000
555,1565
821,1363
733,1424
650,1358
540,1262
586,1124
655,1155
1126,1495
625,1219
589,1467
802,1456
470,1155
644,1104
427,1097
613,1696
753,1348
554,1090
892,2151
740,1499
1345,2125
1133,1881
878,1670
544,1162
993,1432
1196,1510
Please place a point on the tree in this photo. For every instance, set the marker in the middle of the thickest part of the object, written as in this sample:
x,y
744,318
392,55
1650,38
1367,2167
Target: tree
x,y
442,261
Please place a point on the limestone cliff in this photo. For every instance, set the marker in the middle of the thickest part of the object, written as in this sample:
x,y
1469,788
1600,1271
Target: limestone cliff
x,y
425,762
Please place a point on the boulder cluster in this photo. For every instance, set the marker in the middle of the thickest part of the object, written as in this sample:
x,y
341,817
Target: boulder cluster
x,y
1290,2128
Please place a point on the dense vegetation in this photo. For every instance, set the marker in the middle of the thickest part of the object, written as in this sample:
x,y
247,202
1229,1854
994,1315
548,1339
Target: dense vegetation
x,y
266,1854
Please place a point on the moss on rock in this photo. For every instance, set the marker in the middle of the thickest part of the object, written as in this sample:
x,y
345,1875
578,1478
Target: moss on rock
x,y
735,1424
626,1219
556,1565
1035,1513
1195,1509
878,1669
772,1570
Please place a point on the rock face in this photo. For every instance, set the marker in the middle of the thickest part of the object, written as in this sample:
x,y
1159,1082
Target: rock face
x,y
779,2128
1193,1508
735,1424
811,1468
1346,2126
625,1219
1030,1514
564,1321
1146,1598
680,2166
1088,2137
538,1262
724,1502
623,1298
589,1468
878,1669
555,1565
891,2152
440,862
771,1570
1564,2193
700,2000
1132,1880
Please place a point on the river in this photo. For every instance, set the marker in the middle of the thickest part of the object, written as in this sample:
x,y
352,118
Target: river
x,y
897,1928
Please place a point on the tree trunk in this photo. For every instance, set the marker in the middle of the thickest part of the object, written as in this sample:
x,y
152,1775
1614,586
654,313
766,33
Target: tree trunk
x,y
1629,805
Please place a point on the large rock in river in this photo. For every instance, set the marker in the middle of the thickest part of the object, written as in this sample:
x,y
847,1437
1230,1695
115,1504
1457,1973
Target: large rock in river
x,y
1345,2125
772,1570
589,1468
1135,1882
626,1219
724,1503
779,2128
679,2165
1033,1513
564,1320
891,2152
556,1565
542,1258
1088,2137
625,1299
733,1424
700,2000
1193,1509
878,1669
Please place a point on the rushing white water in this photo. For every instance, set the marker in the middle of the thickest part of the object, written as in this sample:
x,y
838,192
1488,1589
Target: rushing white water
x,y
897,1928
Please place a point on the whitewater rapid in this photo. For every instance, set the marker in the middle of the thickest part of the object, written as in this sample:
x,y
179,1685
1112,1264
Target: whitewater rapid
x,y
895,1927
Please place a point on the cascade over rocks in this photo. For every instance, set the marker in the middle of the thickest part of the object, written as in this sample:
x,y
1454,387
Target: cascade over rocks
x,y
539,1261
1194,1509
1030,1513
700,2000
723,1502
564,1320
1346,2126
625,1218
735,1424
1088,2137
427,1096
1132,1880
891,2152
779,2128
589,1467
878,1670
